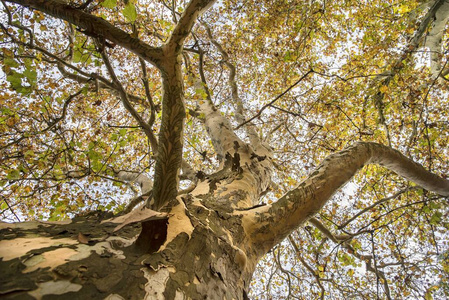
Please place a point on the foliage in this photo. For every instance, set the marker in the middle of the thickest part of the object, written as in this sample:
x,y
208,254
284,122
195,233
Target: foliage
x,y
351,73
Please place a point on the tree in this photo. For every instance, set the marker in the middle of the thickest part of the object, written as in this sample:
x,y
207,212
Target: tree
x,y
264,111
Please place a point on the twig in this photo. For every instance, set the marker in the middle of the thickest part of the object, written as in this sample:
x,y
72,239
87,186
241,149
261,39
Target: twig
x,y
10,208
123,95
275,99
376,204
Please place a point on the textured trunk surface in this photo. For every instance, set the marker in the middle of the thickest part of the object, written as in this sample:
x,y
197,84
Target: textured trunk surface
x,y
202,254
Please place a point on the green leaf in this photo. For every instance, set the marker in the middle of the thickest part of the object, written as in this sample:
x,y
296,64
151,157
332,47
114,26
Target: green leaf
x,y
129,12
436,218
109,3
77,56
434,205
10,62
15,79
31,76
13,174
122,131
3,205
94,155
81,56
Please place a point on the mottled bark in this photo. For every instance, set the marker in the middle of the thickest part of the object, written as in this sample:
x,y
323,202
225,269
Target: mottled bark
x,y
169,154
434,39
195,253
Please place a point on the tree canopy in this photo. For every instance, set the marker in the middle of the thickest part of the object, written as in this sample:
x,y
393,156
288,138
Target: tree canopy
x,y
84,90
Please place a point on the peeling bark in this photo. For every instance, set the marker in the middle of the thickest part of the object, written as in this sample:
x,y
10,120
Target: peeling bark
x,y
203,257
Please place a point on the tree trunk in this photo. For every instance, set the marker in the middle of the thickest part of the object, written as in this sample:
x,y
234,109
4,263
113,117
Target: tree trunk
x,y
196,247
199,254
201,245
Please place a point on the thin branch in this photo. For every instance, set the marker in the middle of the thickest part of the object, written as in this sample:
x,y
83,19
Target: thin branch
x,y
11,23
94,26
84,5
151,137
379,274
307,266
11,209
344,241
64,112
376,204
124,96
275,99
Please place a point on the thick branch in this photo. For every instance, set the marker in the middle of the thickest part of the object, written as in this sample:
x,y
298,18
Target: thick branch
x,y
435,39
94,26
182,30
169,153
271,224
218,126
